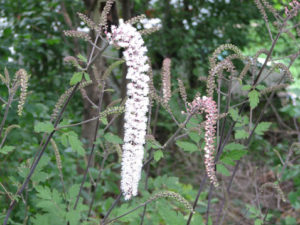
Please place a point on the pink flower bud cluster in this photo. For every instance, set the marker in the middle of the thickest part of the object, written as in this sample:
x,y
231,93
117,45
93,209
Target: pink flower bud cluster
x,y
295,6
136,107
208,105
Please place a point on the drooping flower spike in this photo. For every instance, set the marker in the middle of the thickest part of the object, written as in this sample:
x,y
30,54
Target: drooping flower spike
x,y
136,107
209,106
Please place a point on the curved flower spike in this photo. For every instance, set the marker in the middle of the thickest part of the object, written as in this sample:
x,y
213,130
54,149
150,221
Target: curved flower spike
x,y
209,106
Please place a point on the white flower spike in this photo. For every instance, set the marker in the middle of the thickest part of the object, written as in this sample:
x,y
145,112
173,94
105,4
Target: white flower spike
x,y
136,107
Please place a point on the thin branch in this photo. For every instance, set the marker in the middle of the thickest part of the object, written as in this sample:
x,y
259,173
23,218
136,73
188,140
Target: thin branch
x,y
34,165
93,146
97,182
111,208
76,124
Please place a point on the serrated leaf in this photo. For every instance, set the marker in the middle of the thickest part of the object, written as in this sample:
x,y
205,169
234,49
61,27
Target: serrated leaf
x,y
86,76
6,149
223,170
73,191
187,146
260,87
64,139
227,160
234,146
234,114
82,58
241,134
38,177
158,155
104,120
195,136
40,219
153,144
44,127
77,77
197,220
76,145
73,217
253,98
258,222
43,192
112,138
262,127
236,154
246,87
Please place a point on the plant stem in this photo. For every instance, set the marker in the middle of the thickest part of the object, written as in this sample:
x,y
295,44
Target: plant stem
x,y
93,146
35,163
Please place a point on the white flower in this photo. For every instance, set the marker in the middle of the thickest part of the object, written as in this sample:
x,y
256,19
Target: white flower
x,y
136,107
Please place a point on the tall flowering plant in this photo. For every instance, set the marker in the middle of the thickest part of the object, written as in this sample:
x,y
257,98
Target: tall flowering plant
x,y
136,107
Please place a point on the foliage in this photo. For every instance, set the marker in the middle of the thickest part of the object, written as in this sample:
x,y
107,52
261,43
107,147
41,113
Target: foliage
x,y
72,183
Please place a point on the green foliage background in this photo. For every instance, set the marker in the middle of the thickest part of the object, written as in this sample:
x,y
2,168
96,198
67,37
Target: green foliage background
x,y
31,37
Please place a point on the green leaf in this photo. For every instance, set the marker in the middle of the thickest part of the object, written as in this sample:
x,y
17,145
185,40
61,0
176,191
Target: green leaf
x,y
43,192
82,58
39,219
6,149
223,170
77,77
64,139
197,220
38,177
158,155
241,134
227,160
236,154
262,127
246,87
87,76
187,146
169,216
234,114
112,138
44,127
104,120
73,191
258,222
76,144
73,217
260,87
234,146
195,136
253,98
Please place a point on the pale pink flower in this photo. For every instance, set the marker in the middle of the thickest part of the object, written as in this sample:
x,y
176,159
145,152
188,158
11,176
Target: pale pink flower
x,y
208,105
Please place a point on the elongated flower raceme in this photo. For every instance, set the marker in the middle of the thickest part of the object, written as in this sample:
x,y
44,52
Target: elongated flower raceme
x,y
136,107
208,105
166,80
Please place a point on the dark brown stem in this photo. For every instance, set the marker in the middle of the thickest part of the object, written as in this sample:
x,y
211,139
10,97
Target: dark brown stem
x,y
201,188
111,208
